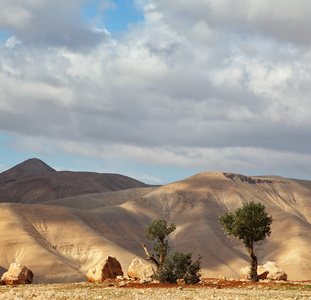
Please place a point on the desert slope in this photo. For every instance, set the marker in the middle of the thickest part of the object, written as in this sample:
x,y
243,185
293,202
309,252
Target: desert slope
x,y
195,204
61,238
29,167
60,244
34,182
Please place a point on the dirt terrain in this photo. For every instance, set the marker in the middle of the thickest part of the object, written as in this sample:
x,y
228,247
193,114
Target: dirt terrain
x,y
61,224
212,289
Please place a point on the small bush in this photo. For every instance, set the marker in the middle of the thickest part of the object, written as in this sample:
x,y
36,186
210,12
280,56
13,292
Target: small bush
x,y
179,266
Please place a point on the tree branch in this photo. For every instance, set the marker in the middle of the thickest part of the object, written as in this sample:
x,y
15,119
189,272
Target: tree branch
x,y
150,257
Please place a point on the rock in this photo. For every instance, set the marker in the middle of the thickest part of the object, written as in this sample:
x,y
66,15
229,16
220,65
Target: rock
x,y
139,270
155,281
222,277
17,274
181,281
145,280
275,273
268,271
262,272
246,273
122,283
109,268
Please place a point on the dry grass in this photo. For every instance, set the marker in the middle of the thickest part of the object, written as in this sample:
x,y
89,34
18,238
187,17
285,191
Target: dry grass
x,y
133,290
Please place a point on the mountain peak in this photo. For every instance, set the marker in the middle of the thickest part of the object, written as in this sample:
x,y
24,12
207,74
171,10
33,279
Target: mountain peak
x,y
29,167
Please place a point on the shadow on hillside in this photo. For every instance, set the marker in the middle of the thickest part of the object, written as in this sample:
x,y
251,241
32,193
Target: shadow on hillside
x,y
2,271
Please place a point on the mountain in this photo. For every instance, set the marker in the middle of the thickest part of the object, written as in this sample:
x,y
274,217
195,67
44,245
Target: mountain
x,y
33,182
61,238
29,167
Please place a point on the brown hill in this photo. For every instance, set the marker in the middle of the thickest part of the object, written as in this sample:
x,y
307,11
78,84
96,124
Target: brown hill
x,y
29,167
35,182
64,237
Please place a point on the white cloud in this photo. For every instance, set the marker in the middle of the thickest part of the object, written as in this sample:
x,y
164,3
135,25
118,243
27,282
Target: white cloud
x,y
245,160
201,84
12,42
202,32
149,179
282,20
49,24
14,15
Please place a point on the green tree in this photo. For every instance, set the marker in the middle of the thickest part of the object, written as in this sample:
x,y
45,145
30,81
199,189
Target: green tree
x,y
179,266
249,223
158,230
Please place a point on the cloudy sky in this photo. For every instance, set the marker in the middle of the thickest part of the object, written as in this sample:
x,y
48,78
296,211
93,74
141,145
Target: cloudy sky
x,y
158,90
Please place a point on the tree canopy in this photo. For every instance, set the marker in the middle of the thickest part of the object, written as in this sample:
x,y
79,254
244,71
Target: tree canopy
x,y
180,266
158,230
173,267
249,223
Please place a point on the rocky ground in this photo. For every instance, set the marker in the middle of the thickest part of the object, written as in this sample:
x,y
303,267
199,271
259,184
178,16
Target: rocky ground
x,y
212,289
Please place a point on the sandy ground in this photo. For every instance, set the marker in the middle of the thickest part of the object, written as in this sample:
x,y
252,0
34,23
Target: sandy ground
x,y
223,290
61,239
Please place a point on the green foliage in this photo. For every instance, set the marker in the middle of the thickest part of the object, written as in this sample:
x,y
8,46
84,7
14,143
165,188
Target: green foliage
x,y
179,266
250,223
158,230
176,266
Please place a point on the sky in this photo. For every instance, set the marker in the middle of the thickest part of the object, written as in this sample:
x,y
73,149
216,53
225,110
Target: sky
x,y
157,90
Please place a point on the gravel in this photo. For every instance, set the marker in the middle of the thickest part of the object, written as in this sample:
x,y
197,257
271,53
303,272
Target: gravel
x,y
103,291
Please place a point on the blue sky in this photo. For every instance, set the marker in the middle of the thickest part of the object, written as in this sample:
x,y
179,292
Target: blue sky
x,y
157,90
115,16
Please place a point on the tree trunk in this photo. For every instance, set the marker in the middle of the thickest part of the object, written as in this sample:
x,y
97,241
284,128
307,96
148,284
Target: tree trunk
x,y
254,274
149,257
162,251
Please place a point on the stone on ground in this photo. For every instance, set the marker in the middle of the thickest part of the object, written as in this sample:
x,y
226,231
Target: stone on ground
x,y
275,273
270,270
139,270
109,268
17,274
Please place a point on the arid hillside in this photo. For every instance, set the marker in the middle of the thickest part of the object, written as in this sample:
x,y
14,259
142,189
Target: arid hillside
x,y
59,224
35,182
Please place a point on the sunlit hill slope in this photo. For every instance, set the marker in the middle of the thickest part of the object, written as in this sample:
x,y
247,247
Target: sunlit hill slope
x,y
59,224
